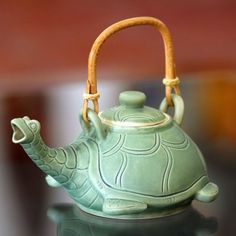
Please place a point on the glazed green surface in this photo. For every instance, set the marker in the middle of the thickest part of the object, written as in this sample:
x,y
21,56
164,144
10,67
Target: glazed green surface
x,y
124,170
132,112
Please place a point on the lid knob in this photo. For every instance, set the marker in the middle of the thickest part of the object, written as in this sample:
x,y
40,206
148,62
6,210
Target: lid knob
x,y
132,99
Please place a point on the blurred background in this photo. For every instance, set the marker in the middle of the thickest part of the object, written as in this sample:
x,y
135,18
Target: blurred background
x,y
44,46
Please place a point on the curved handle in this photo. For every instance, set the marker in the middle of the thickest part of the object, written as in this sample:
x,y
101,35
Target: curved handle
x,y
179,107
170,81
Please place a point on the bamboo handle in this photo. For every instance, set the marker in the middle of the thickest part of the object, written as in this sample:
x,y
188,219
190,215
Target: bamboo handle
x,y
170,80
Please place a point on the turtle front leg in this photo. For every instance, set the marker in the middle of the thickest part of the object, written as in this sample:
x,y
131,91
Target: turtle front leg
x,y
208,193
122,207
52,182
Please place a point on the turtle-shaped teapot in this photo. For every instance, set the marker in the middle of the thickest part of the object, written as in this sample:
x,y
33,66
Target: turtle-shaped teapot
x,y
131,161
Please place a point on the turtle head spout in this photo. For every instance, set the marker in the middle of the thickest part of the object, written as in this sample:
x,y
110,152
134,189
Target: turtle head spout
x,y
24,130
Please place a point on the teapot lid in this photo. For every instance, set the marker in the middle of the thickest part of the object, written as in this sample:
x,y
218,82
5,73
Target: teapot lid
x,y
132,113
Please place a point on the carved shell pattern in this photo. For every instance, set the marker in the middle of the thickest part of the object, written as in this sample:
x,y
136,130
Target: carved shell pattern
x,y
121,114
152,164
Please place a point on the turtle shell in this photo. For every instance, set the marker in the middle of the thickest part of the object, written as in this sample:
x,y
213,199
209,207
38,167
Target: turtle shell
x,y
157,163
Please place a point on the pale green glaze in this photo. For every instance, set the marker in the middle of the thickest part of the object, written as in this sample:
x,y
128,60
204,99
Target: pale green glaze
x,y
132,162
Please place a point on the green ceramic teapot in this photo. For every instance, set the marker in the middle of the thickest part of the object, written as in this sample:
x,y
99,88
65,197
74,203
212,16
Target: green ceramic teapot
x,y
131,161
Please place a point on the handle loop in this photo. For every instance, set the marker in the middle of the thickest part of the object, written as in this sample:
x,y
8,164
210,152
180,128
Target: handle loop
x,y
179,107
170,80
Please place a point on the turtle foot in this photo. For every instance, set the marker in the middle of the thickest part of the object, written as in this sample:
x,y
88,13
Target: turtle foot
x,y
122,207
52,182
208,193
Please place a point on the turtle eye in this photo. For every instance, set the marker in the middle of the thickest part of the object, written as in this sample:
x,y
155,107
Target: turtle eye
x,y
33,126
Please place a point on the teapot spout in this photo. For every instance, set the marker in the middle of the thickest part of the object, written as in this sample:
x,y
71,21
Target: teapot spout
x,y
26,132
22,130
57,163
65,166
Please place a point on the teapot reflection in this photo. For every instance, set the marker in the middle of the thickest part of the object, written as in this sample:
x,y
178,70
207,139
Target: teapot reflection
x,y
72,221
